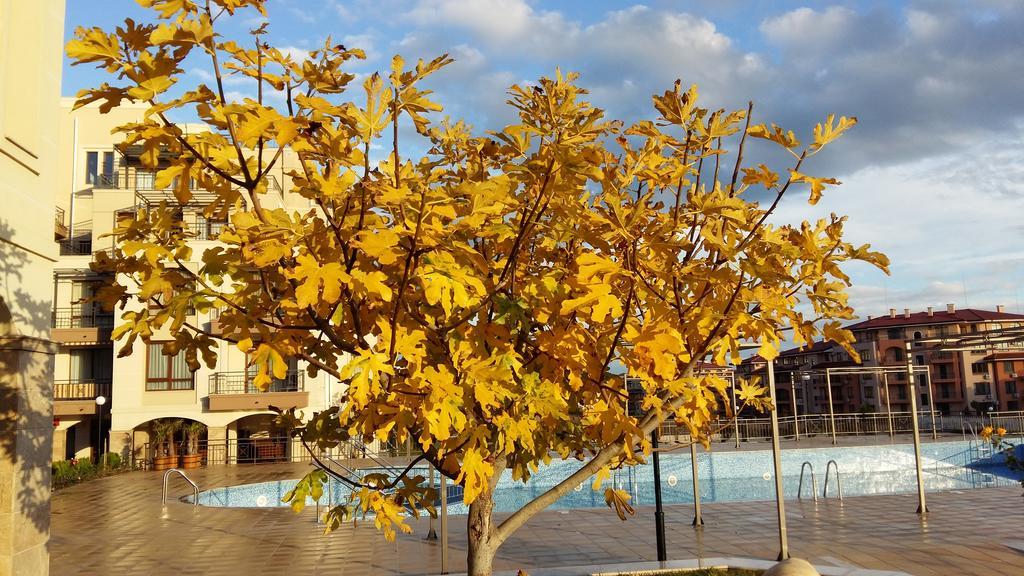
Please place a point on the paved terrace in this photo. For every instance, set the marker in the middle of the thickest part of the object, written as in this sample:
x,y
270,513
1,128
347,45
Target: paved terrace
x,y
115,526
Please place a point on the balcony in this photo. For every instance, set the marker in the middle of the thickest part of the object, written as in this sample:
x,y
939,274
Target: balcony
x,y
235,391
80,246
60,227
75,326
78,397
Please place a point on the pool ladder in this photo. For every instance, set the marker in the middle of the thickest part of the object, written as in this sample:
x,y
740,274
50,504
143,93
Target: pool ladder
x,y
814,483
839,481
167,478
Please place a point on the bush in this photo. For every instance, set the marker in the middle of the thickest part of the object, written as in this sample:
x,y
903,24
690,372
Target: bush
x,y
113,461
69,472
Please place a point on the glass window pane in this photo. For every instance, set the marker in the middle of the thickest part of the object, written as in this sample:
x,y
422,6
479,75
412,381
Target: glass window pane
x,y
91,167
108,163
156,367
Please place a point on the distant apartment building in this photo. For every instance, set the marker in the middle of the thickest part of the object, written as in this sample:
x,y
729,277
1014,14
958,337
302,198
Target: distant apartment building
x,y
101,183
1007,379
973,380
801,382
960,380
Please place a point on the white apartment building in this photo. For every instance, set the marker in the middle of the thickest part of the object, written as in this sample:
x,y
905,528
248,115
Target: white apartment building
x,y
99,184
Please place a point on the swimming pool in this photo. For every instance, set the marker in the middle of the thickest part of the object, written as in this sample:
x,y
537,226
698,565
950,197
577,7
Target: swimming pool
x,y
726,476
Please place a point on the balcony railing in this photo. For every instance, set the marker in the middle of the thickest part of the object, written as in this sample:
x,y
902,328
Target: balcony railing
x,y
206,229
241,383
78,318
107,181
81,389
81,246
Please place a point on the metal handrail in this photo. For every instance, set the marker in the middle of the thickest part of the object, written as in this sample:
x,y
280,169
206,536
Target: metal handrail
x,y
367,453
814,483
195,488
839,482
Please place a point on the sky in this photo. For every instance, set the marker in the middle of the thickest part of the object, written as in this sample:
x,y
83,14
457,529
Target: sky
x,y
933,175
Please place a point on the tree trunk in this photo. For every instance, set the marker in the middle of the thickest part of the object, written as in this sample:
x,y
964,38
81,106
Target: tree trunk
x,y
482,548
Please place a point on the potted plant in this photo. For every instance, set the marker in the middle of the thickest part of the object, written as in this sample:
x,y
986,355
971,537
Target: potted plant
x,y
192,458
162,436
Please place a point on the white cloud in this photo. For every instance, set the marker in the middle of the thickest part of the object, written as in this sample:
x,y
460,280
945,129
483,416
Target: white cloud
x,y
944,232
509,23
297,54
810,29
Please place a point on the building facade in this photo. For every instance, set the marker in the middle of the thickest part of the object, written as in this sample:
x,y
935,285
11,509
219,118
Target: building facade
x,y
961,381
30,64
974,381
100,184
1007,378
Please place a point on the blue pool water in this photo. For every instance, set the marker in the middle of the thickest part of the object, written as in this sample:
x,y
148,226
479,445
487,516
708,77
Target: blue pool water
x,y
724,477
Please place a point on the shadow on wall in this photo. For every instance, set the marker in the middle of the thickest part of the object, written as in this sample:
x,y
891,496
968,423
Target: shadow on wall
x,y
26,396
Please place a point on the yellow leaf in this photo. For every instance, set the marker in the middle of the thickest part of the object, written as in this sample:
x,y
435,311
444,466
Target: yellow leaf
x,y
817,184
373,283
827,132
380,244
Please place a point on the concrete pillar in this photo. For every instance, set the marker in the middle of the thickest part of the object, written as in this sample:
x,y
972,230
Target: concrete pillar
x,y
216,445
26,449
121,444
59,450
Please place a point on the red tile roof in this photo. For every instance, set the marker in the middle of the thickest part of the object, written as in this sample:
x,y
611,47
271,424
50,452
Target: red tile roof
x,y
817,347
967,315
998,356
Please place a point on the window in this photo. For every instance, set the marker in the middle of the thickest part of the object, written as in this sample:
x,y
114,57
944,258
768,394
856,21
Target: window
x,y
943,371
865,356
895,333
895,354
144,179
981,389
1011,387
919,359
93,174
944,390
1008,367
901,392
166,372
869,392
979,368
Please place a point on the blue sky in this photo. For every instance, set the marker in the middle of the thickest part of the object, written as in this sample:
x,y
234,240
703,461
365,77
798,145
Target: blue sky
x,y
933,175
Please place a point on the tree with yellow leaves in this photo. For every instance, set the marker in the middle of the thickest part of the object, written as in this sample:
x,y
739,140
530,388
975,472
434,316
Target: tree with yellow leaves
x,y
472,299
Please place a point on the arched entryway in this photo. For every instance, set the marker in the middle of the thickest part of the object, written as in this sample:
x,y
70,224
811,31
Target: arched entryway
x,y
255,439
170,442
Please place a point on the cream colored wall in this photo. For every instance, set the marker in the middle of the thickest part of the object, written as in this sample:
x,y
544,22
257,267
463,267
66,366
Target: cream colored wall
x,y
30,63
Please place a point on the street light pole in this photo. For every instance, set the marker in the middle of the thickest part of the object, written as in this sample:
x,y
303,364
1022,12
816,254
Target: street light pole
x,y
921,507
100,401
659,512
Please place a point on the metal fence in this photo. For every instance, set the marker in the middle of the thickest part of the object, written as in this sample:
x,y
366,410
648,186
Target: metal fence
x,y
241,383
80,389
81,318
861,424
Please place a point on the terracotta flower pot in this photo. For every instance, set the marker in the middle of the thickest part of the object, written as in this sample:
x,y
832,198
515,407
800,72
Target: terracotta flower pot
x,y
164,462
